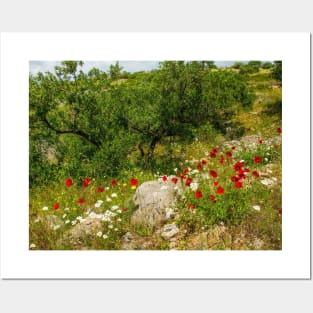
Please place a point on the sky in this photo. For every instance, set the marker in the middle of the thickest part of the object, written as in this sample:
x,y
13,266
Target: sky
x,y
128,66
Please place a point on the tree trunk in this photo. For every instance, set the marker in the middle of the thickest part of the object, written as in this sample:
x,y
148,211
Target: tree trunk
x,y
149,155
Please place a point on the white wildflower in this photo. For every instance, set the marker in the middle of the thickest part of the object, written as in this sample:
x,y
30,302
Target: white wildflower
x,y
164,187
67,221
105,236
107,188
194,171
45,208
66,209
256,207
113,195
64,215
119,211
108,199
56,227
194,186
32,246
205,176
116,229
99,233
79,218
74,222
175,169
119,219
37,220
266,159
114,207
110,226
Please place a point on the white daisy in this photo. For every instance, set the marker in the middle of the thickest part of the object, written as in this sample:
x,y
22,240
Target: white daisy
x,y
99,233
45,208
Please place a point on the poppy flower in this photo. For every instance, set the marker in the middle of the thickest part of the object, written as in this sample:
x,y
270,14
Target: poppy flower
x,y
238,184
123,209
238,166
280,211
133,183
185,171
212,198
199,166
235,179
213,153
198,194
100,189
220,190
113,182
260,141
174,180
204,161
69,182
56,206
255,174
188,181
229,154
81,201
191,206
86,182
221,161
233,147
215,183
213,173
257,159
279,130
164,178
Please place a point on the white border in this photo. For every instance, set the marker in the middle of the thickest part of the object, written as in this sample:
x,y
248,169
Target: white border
x,y
18,49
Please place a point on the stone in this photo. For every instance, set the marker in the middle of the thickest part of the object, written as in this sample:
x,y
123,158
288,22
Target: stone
x,y
85,230
169,231
153,200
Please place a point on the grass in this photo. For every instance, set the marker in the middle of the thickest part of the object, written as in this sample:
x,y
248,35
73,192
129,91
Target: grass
x,y
229,223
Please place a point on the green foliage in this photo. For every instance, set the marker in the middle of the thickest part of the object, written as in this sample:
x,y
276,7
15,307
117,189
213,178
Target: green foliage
x,y
277,70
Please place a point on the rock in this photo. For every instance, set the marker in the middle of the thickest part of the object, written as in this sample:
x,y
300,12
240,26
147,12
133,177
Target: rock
x,y
153,198
84,230
169,231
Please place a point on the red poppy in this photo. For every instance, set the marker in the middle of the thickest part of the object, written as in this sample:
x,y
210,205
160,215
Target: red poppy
x,y
235,178
113,182
86,182
241,174
124,209
81,201
100,189
69,182
191,206
279,130
221,159
212,198
238,166
233,147
185,171
213,173
260,141
199,166
214,150
198,194
220,190
204,161
238,184
188,181
229,154
56,206
280,211
174,180
164,178
215,183
213,154
255,174
134,182
257,159
246,170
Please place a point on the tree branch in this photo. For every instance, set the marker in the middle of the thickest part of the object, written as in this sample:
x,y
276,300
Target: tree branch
x,y
72,131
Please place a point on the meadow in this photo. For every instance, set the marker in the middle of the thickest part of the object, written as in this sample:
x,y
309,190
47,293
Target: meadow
x,y
228,159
